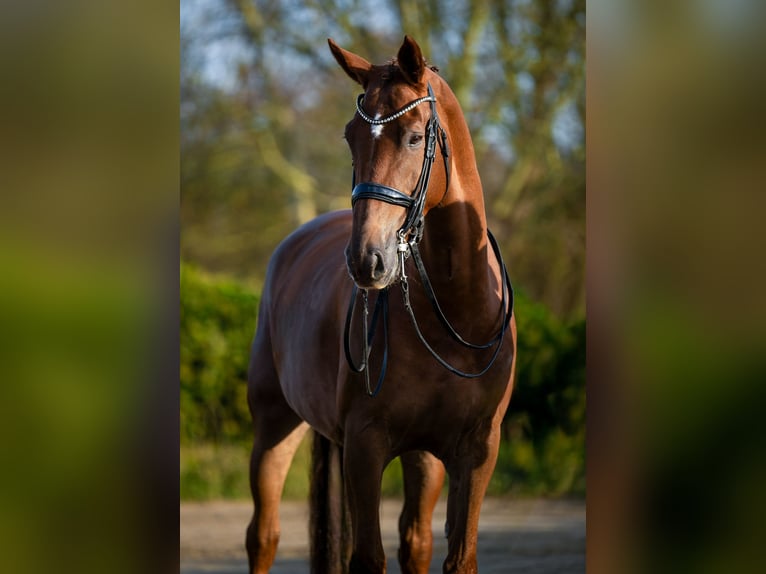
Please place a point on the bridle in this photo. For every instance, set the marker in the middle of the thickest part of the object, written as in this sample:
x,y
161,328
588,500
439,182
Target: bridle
x,y
409,236
414,203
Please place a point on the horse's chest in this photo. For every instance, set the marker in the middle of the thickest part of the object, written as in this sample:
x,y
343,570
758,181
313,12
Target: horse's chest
x,y
450,405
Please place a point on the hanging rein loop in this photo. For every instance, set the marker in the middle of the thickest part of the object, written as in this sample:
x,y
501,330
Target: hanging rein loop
x,y
381,305
506,310
409,236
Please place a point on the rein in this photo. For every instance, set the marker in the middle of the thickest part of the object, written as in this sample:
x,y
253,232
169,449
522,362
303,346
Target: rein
x,y
380,304
413,227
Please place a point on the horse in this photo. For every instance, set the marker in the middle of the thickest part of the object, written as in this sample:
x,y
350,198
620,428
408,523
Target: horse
x,y
410,381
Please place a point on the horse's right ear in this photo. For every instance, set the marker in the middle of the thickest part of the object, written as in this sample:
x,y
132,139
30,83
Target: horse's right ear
x,y
357,68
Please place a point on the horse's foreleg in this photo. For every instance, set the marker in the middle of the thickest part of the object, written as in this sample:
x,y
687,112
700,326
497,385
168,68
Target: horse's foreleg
x,y
269,463
470,472
423,479
365,455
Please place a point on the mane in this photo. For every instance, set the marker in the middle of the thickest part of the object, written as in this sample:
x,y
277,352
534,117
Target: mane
x,y
390,70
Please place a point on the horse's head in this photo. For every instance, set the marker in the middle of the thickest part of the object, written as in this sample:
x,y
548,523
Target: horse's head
x,y
388,156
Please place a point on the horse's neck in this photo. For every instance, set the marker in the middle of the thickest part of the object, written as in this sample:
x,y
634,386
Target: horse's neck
x,y
455,253
455,247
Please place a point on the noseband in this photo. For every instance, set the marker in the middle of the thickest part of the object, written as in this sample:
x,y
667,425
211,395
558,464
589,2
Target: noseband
x,y
409,235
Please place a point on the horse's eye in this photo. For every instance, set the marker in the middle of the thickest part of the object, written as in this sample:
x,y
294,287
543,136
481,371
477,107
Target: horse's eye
x,y
415,139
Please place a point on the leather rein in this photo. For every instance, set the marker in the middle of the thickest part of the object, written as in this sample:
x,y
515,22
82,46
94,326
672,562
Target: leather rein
x,y
409,236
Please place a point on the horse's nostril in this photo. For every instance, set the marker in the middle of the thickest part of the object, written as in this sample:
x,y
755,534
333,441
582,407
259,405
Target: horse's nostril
x,y
376,265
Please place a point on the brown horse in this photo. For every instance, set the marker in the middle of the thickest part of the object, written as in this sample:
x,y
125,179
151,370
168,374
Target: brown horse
x,y
435,399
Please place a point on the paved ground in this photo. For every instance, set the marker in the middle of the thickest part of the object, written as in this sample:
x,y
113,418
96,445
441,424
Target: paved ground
x,y
521,536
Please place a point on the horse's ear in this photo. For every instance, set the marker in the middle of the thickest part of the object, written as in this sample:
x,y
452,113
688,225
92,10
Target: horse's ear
x,y
357,68
411,62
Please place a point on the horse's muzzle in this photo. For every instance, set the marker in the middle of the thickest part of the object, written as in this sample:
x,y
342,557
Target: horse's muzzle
x,y
373,268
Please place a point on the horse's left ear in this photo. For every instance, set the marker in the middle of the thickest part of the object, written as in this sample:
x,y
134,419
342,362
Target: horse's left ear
x,y
411,62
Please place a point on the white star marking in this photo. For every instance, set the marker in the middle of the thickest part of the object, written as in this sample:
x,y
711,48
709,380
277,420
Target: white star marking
x,y
376,129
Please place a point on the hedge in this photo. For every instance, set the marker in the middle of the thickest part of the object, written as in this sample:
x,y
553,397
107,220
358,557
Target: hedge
x,y
218,319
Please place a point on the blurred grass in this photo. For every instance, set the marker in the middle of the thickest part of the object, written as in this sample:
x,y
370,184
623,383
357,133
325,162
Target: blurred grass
x,y
212,471
75,404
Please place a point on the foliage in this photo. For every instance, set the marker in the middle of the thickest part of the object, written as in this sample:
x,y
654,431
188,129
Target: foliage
x,y
217,327
543,435
543,450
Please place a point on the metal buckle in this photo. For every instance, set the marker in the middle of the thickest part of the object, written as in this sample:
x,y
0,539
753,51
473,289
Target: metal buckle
x,y
403,250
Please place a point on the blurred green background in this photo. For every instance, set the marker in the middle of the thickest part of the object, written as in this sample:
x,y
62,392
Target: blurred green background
x,y
263,106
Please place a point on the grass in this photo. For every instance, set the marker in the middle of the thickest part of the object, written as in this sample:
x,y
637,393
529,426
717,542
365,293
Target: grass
x,y
210,472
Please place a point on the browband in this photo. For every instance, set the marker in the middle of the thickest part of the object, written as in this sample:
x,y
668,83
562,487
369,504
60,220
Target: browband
x,y
397,114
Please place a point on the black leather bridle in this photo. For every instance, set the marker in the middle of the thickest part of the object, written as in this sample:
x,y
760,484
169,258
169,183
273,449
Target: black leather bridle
x,y
414,203
409,236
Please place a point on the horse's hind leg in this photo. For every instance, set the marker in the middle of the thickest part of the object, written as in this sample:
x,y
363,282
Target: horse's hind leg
x,y
278,432
423,479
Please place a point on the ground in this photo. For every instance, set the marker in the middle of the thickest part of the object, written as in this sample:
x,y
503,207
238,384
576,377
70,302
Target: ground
x,y
515,536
